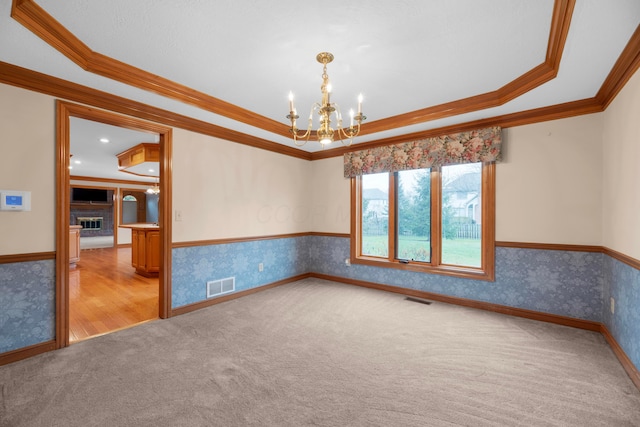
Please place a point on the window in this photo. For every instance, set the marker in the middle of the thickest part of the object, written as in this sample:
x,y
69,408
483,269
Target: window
x,y
438,220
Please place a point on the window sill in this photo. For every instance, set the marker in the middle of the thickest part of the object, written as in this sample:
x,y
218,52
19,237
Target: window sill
x,y
446,270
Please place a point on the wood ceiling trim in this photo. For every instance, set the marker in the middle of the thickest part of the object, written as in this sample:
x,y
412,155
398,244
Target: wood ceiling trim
x,y
560,23
109,180
543,114
628,63
50,31
625,67
53,86
36,19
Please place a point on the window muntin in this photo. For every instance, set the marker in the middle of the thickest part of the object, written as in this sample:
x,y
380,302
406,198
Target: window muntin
x,y
466,250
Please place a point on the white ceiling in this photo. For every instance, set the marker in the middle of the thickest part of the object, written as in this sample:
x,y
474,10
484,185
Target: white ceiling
x,y
93,158
402,55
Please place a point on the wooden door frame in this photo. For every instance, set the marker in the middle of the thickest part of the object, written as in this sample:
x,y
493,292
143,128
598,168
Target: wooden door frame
x,y
65,110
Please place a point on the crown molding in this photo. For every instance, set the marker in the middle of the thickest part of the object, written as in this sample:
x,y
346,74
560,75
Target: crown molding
x,y
543,114
626,65
53,86
109,180
562,13
38,21
56,35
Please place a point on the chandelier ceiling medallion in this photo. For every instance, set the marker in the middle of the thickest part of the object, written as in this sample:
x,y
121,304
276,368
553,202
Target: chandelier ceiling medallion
x,y
326,109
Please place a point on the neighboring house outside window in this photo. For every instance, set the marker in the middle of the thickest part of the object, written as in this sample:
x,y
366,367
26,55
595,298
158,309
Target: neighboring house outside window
x,y
437,220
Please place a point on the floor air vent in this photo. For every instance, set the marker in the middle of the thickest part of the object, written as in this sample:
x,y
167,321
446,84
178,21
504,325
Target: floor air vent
x,y
222,286
421,301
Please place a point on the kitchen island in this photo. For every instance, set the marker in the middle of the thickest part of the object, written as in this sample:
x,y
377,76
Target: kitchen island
x,y
145,248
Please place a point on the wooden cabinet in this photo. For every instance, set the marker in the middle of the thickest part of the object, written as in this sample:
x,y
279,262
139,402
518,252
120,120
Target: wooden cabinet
x,y
145,251
74,244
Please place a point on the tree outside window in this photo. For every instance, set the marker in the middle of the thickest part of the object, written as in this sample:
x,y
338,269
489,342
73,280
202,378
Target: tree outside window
x,y
430,219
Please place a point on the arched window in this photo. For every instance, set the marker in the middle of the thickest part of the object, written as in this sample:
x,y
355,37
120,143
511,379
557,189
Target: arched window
x,y
129,209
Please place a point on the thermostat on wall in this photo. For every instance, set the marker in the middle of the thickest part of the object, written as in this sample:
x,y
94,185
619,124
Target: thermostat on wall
x,y
15,200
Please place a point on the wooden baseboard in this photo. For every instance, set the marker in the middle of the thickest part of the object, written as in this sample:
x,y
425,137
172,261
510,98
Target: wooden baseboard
x,y
511,311
202,304
626,363
26,352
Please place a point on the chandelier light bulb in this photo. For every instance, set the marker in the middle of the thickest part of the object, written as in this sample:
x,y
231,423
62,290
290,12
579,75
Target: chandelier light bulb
x,y
325,110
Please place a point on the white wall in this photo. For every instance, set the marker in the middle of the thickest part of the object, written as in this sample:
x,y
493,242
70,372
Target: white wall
x,y
223,189
621,165
549,186
27,162
228,190
331,193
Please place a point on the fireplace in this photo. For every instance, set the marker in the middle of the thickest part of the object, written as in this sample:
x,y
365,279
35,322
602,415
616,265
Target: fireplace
x,y
90,222
96,219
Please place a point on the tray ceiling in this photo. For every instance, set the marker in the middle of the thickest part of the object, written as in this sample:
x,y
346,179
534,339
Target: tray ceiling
x,y
420,65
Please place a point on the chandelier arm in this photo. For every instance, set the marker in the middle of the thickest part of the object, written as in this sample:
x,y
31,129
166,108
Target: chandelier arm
x,y
294,130
348,134
296,137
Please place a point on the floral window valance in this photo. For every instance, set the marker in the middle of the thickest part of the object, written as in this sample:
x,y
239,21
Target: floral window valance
x,y
481,145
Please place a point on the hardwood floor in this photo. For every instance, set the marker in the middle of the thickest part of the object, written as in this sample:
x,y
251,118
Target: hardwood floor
x,y
106,295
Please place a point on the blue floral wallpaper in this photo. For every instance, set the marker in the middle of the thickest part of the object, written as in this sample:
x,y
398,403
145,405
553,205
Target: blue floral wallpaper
x,y
567,283
193,267
622,282
27,304
557,282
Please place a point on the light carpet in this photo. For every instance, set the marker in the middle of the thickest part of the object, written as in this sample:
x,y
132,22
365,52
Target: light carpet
x,y
318,353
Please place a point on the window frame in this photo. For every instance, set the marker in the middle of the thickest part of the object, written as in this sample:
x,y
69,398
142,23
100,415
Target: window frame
x,y
487,269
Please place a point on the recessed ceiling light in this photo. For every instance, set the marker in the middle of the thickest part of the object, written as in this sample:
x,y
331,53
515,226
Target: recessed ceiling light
x,y
151,170
77,162
104,140
70,167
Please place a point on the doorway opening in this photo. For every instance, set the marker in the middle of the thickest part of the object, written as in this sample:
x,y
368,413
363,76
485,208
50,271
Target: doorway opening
x,y
97,289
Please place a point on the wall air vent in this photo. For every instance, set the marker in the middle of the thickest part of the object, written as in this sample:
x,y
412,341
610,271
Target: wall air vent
x,y
222,286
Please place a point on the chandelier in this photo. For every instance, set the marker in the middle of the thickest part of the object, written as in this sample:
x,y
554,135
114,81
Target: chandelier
x,y
155,189
326,110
